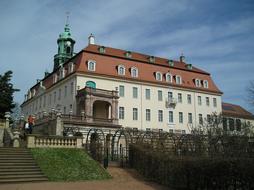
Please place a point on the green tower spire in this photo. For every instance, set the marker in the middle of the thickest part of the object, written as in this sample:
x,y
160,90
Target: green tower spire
x,y
65,46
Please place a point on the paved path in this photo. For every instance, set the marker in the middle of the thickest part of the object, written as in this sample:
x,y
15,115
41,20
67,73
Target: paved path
x,y
123,179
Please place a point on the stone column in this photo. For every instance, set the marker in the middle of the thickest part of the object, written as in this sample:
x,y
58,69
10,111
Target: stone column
x,y
59,125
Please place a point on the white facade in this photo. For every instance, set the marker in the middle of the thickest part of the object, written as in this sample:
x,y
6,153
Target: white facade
x,y
61,97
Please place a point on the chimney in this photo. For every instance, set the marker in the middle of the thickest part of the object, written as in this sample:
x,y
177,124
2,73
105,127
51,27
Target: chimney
x,y
91,39
182,58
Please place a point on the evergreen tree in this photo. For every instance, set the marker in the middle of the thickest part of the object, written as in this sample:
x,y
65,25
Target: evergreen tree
x,y
6,93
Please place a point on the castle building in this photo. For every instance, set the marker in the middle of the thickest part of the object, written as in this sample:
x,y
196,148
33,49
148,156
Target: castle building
x,y
119,87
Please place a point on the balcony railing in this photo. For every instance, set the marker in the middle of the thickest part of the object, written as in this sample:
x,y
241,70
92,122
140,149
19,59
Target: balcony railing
x,y
97,92
171,103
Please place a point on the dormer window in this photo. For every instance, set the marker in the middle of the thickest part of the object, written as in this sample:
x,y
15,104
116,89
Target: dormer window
x,y
168,77
54,78
121,70
91,65
151,59
205,82
33,92
197,82
158,76
102,49
70,67
62,72
171,63
128,54
178,79
134,72
189,66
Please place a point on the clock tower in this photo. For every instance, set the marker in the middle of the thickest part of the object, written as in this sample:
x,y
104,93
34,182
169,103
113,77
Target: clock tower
x,y
65,47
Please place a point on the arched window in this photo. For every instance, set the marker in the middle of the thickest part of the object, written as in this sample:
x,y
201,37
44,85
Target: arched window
x,y
91,84
91,65
178,79
121,70
197,82
134,72
158,76
168,77
205,83
68,49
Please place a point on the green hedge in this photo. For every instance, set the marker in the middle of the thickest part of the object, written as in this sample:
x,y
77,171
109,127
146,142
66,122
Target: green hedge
x,y
193,172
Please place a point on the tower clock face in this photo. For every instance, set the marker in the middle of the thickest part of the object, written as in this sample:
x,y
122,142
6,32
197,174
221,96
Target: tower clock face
x,y
68,43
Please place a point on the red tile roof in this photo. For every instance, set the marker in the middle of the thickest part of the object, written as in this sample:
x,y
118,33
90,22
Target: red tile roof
x,y
232,110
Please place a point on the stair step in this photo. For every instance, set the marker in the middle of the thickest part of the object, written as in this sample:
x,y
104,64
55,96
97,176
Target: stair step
x,y
34,179
11,173
17,160
18,166
33,169
15,176
15,157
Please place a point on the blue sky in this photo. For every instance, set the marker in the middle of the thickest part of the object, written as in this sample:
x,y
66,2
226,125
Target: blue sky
x,y
214,35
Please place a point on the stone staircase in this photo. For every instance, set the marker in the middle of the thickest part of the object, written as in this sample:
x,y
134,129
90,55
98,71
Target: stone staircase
x,y
17,165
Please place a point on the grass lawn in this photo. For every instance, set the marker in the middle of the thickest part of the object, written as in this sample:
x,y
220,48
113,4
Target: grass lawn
x,y
68,164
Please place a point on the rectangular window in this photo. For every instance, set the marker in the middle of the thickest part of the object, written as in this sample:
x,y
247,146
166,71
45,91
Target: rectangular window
x,y
72,88
159,95
55,97
59,94
121,112
189,98
65,91
180,117
170,117
207,101
49,102
135,113
40,102
199,100
121,91
135,92
170,95
214,102
148,95
200,119
148,115
160,115
44,101
180,99
189,117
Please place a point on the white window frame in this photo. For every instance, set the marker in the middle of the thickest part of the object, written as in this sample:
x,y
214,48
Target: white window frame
x,y
148,114
70,67
167,77
158,76
89,68
160,115
135,114
121,72
178,79
171,117
134,72
205,83
121,112
135,90
197,82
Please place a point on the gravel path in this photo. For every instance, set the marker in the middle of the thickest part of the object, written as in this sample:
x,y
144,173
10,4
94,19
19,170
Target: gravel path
x,y
123,179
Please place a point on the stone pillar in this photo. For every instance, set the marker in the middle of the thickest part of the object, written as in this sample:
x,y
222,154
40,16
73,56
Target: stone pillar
x,y
30,141
83,115
16,143
59,125
7,121
79,142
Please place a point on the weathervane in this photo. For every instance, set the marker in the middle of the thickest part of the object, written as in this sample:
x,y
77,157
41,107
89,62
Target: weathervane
x,y
67,17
